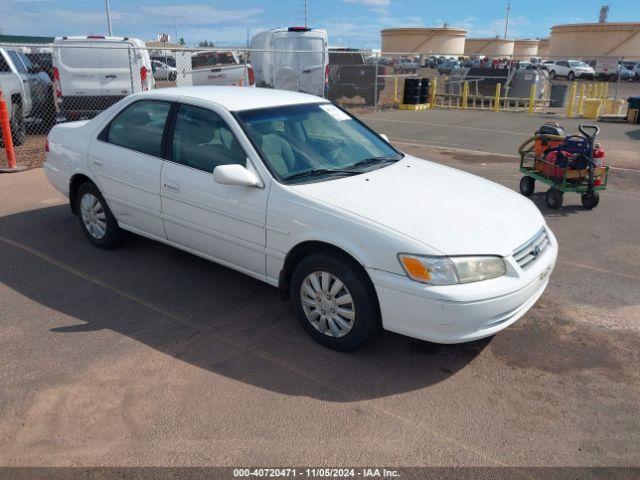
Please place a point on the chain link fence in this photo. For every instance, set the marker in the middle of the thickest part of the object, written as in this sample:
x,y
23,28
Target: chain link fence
x,y
48,84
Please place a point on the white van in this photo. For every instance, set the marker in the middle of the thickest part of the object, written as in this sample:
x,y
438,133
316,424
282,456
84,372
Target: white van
x,y
91,73
295,58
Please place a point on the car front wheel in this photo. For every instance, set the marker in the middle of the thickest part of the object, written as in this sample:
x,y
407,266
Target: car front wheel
x,y
571,76
334,301
552,74
96,220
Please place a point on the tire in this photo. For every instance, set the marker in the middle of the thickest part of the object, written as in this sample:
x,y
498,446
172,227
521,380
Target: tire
x,y
96,212
554,198
571,76
363,308
18,127
552,74
527,186
590,200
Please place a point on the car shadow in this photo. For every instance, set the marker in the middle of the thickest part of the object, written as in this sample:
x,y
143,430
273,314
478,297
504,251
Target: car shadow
x,y
202,313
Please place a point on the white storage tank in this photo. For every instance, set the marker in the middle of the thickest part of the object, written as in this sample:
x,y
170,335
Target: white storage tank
x,y
490,47
590,40
429,41
525,49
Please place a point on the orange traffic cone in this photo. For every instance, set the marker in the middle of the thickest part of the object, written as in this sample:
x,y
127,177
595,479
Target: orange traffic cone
x,y
8,141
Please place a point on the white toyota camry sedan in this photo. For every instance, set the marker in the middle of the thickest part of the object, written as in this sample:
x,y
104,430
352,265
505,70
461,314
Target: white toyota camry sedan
x,y
292,190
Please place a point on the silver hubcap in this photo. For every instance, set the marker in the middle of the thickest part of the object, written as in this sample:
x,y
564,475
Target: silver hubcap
x,y
93,216
327,303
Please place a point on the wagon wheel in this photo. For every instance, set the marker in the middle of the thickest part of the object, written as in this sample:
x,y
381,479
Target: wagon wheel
x,y
527,186
554,198
590,200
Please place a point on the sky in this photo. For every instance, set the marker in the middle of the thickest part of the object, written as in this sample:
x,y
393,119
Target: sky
x,y
349,23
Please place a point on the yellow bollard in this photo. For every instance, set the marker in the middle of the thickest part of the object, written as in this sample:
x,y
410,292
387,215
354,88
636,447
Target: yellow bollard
x,y
605,91
465,95
590,90
572,96
434,87
395,90
581,99
496,99
532,99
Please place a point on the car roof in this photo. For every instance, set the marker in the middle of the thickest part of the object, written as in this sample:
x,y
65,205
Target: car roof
x,y
236,98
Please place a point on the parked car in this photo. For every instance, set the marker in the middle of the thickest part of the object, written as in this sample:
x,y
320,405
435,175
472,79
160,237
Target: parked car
x,y
220,68
407,65
445,68
570,69
162,71
93,72
296,192
350,76
27,91
295,58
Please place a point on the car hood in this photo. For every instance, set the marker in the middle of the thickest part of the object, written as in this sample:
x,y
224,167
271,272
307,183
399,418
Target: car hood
x,y
451,211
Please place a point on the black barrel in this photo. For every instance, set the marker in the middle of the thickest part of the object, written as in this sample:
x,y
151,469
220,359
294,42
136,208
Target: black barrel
x,y
558,95
411,91
424,90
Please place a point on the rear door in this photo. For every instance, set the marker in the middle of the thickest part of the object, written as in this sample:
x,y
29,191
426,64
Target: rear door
x,y
312,64
116,65
78,68
126,160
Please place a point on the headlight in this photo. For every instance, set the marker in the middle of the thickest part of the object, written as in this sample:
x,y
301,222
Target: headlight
x,y
451,270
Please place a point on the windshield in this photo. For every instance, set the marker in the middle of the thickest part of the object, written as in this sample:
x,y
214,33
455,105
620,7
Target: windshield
x,y
312,141
578,64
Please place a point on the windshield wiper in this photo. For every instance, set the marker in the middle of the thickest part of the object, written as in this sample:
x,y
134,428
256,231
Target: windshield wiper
x,y
320,171
373,160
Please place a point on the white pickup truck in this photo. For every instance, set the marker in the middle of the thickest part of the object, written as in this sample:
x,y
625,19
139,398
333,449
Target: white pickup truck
x,y
27,93
215,68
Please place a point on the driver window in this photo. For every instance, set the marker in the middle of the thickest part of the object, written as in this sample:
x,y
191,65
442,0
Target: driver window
x,y
202,140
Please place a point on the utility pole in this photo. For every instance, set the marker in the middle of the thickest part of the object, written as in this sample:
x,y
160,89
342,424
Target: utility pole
x,y
305,13
106,4
506,24
175,27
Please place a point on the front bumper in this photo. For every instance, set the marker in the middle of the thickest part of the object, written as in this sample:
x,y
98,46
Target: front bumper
x,y
462,313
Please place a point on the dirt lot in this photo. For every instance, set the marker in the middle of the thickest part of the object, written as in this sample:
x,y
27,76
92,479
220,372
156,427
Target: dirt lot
x,y
149,356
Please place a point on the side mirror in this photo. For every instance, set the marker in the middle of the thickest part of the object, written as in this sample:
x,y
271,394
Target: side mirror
x,y
235,174
385,138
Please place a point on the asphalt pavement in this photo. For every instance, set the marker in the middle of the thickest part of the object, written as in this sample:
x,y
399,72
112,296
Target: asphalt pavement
x,y
146,355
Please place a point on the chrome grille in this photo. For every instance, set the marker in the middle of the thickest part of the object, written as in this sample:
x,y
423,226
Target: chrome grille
x,y
528,253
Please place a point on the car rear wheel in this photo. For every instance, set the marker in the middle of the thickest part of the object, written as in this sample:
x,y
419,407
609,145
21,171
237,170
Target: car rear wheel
x,y
334,301
96,220
552,74
571,76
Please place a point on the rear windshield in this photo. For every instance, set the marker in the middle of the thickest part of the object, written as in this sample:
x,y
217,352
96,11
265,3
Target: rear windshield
x,y
107,57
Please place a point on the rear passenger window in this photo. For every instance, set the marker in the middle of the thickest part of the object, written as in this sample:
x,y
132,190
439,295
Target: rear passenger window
x,y
203,140
139,127
4,66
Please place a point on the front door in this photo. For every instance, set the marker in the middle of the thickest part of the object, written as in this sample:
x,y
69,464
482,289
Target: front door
x,y
224,222
126,160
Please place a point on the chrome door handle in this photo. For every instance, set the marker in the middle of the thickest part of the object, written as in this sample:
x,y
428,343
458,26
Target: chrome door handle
x,y
97,163
174,187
